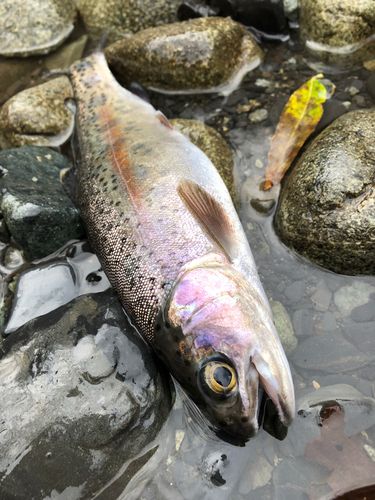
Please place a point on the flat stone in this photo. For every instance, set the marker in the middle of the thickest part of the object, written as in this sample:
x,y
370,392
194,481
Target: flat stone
x,y
349,297
38,115
35,26
362,334
284,326
201,55
258,116
37,211
322,296
330,353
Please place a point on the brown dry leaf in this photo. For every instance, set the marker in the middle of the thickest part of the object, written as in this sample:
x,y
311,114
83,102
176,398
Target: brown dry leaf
x,y
298,120
348,463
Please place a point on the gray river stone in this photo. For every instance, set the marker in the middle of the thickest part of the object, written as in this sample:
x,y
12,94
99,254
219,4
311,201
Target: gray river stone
x,y
201,55
35,26
36,209
115,18
330,353
80,397
326,209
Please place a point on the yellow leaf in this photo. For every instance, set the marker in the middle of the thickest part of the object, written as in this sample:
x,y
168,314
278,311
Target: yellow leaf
x,y
298,120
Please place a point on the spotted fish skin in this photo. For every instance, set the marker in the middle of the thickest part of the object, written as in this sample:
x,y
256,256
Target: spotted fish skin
x,y
131,164
139,180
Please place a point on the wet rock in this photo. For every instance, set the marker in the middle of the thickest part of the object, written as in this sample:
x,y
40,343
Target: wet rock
x,y
35,26
118,17
337,23
284,326
79,398
362,334
257,476
326,209
349,297
71,272
258,116
37,211
264,15
213,145
339,30
202,55
38,115
17,73
321,298
330,353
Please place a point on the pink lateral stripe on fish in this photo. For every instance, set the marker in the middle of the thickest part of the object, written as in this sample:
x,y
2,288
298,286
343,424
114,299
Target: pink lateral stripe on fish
x,y
168,236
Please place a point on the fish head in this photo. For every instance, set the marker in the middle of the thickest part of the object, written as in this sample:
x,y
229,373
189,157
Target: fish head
x,y
220,343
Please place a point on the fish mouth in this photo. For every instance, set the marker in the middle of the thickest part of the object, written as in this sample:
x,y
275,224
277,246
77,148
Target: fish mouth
x,y
267,418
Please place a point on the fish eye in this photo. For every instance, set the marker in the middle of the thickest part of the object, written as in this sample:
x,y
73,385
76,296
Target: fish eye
x,y
219,378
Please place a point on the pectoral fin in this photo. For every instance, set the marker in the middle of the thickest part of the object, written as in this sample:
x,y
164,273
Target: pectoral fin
x,y
210,215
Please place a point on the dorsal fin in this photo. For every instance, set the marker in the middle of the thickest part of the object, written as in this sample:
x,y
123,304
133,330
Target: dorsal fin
x,y
210,215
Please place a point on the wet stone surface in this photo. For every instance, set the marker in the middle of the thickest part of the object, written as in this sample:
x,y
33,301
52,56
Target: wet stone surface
x,y
186,57
38,115
338,32
327,205
35,26
37,211
81,396
118,17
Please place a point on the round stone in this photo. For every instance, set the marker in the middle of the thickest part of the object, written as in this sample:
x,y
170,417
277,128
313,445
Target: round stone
x,y
326,209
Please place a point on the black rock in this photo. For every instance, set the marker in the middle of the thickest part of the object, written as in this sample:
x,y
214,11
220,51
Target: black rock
x,y
37,211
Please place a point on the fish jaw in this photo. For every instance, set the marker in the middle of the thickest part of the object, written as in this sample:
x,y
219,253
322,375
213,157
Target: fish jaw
x,y
215,316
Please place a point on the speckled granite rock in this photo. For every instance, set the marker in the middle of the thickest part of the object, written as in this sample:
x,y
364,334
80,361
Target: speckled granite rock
x,y
35,26
326,209
118,17
213,145
38,115
80,396
341,31
337,23
201,55
36,209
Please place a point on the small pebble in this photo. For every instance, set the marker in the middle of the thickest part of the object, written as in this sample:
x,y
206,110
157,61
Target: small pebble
x,y
258,116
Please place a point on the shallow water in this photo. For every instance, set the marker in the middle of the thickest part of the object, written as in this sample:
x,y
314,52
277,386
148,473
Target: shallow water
x,y
333,318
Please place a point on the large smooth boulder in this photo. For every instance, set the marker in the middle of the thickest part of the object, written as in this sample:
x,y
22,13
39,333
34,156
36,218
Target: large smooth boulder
x,y
80,397
326,210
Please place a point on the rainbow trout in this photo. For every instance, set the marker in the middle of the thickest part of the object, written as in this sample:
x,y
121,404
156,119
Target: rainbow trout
x,y
165,230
